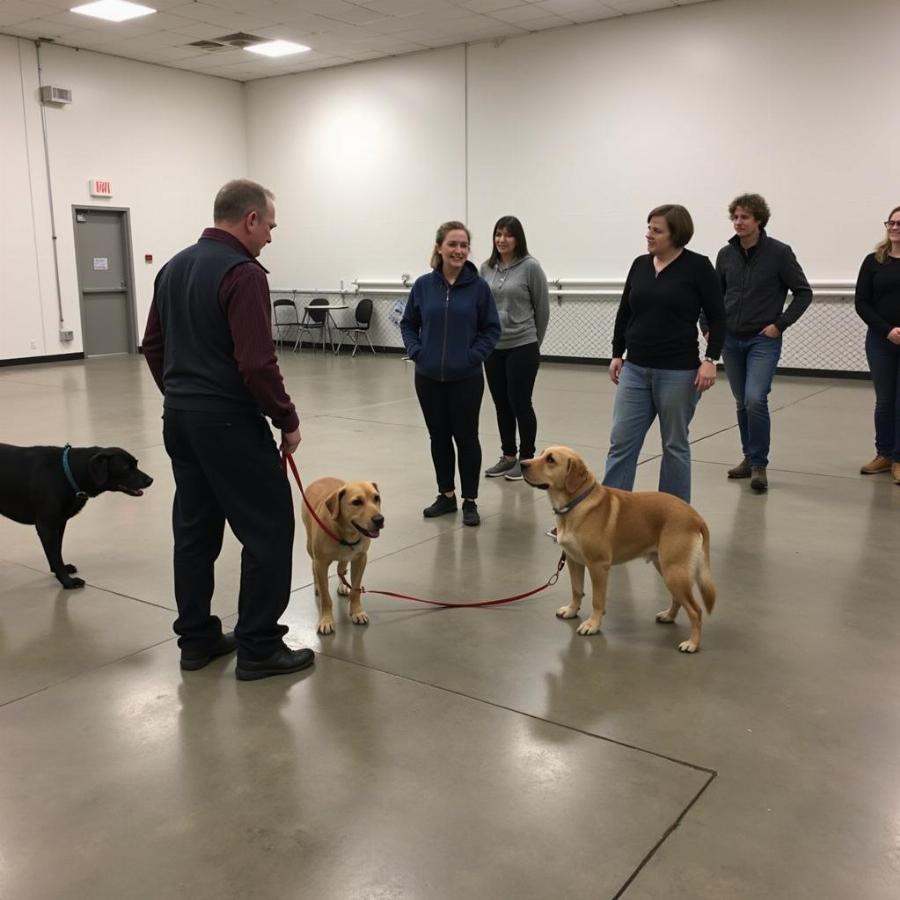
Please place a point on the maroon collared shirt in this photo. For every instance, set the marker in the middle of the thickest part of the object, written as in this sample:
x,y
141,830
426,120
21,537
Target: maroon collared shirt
x,y
244,299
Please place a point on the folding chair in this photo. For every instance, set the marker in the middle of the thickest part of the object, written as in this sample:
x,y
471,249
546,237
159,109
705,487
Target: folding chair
x,y
315,320
363,318
289,319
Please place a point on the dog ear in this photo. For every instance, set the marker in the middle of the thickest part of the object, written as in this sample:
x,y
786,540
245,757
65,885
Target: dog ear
x,y
98,469
377,489
333,503
576,473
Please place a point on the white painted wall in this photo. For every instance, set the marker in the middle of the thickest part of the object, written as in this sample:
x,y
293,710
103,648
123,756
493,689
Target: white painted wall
x,y
166,139
365,161
580,132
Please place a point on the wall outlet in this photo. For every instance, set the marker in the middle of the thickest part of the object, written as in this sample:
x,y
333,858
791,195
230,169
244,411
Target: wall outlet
x,y
66,336
34,345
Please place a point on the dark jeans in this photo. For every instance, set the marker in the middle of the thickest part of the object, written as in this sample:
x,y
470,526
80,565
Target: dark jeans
x,y
510,377
750,365
884,364
227,468
451,412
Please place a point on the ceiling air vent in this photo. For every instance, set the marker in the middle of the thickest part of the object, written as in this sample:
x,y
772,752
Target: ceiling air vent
x,y
208,45
241,40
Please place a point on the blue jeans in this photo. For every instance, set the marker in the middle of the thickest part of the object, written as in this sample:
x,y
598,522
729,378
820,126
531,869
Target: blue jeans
x,y
750,366
642,395
884,364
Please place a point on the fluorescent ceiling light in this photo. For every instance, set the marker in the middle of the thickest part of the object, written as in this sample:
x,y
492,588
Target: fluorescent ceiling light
x,y
113,10
277,48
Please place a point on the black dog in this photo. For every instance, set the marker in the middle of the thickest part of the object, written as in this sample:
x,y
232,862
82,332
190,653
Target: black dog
x,y
46,486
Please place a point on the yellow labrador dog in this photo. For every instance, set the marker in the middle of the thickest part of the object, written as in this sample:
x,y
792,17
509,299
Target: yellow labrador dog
x,y
351,511
599,527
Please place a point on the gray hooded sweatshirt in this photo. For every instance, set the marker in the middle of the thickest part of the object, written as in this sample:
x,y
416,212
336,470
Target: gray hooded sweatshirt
x,y
523,301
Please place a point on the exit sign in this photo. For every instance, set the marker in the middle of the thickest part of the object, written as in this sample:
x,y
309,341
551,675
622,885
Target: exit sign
x,y
100,187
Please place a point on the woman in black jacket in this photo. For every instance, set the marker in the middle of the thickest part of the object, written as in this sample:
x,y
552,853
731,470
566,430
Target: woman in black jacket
x,y
663,375
449,327
878,305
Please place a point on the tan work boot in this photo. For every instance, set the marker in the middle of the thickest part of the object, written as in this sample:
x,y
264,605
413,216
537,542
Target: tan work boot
x,y
876,466
741,470
895,472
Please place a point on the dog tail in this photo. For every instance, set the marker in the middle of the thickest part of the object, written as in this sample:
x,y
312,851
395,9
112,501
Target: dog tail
x,y
704,574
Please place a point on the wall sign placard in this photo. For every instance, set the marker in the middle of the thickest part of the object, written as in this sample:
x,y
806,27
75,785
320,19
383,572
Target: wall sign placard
x,y
100,187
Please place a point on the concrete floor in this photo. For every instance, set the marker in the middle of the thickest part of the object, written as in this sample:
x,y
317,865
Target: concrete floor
x,y
461,753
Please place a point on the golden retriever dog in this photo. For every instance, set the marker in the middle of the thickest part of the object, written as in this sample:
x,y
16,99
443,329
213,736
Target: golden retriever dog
x,y
351,511
599,527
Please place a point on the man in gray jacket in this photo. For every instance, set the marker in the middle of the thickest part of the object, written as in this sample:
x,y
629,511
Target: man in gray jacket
x,y
756,272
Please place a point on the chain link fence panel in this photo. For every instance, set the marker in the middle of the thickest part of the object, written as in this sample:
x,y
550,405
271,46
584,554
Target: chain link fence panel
x,y
829,337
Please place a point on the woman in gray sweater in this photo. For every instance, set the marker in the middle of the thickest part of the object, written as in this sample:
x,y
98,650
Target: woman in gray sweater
x,y
520,291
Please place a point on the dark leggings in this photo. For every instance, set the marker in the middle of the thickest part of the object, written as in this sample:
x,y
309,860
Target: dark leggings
x,y
510,376
451,413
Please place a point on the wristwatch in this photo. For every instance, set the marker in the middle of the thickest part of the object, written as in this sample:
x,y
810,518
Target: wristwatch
x,y
709,359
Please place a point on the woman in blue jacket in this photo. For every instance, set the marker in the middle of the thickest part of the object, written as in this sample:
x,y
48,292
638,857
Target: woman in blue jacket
x,y
449,327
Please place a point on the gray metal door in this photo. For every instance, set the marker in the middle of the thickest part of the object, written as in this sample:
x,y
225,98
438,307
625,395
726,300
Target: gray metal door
x,y
104,278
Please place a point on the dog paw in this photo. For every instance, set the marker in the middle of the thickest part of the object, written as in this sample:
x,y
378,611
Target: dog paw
x,y
326,626
688,647
566,612
589,627
360,618
343,589
664,618
71,583
70,569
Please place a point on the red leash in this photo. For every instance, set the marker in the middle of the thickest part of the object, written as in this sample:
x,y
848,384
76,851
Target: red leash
x,y
287,461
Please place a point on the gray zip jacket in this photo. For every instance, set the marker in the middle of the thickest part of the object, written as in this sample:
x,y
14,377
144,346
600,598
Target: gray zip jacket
x,y
755,288
523,301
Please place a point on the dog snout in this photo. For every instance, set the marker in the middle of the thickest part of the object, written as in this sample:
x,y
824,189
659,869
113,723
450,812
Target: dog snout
x,y
525,463
378,521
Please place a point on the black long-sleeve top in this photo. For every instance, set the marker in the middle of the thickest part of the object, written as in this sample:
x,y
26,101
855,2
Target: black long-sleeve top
x,y
657,319
878,294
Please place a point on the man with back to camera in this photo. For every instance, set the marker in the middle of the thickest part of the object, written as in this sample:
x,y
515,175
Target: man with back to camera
x,y
209,346
756,271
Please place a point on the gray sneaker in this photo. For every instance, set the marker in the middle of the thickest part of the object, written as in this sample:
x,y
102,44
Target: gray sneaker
x,y
515,473
501,467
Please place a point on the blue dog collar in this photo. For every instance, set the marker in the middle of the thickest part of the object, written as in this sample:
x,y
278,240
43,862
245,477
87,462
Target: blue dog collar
x,y
79,493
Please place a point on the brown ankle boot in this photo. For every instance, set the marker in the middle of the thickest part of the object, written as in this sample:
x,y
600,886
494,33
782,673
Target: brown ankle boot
x,y
876,466
759,481
895,472
741,470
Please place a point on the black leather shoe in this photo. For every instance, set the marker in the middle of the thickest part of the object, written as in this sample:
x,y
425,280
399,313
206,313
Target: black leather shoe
x,y
470,513
226,644
282,662
441,507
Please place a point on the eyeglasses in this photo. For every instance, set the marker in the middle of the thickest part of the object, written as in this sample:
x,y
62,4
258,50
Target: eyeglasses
x,y
892,223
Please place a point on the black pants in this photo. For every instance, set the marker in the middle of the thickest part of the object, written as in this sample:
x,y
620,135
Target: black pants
x,y
510,376
227,468
451,411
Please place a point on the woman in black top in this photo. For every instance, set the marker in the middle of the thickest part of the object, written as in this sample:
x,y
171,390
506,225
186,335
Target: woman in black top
x,y
656,326
878,305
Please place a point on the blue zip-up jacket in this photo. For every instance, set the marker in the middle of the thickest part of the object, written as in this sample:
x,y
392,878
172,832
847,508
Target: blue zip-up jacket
x,y
450,329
